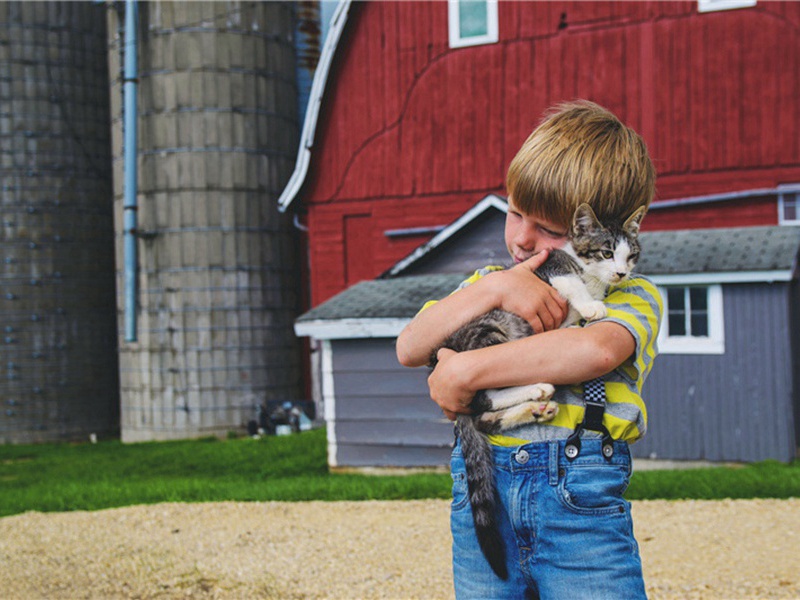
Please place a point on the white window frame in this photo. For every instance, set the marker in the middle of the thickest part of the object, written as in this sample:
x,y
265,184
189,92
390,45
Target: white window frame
x,y
788,193
713,343
715,5
459,41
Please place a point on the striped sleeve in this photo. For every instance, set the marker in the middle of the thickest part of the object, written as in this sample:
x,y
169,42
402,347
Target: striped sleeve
x,y
636,304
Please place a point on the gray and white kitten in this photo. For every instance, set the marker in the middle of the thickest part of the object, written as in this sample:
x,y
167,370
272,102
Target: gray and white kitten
x,y
596,256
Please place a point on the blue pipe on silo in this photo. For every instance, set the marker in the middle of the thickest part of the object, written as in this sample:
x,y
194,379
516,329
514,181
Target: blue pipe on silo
x,y
129,90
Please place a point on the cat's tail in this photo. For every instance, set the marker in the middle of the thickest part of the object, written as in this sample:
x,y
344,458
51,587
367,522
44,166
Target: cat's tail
x,y
479,460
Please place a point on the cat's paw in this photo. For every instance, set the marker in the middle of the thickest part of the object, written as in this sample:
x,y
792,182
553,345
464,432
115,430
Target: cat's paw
x,y
534,411
542,412
542,391
592,311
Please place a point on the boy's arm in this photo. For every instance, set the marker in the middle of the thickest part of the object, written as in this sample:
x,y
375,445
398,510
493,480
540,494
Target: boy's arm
x,y
560,357
516,290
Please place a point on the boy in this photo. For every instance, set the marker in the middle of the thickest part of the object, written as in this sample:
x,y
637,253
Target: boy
x,y
567,530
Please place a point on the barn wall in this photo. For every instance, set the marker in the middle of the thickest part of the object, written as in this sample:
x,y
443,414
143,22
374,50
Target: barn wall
x,y
405,136
384,416
745,212
735,406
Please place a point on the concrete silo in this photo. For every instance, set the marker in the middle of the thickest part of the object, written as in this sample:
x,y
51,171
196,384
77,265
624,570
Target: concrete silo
x,y
57,309
218,267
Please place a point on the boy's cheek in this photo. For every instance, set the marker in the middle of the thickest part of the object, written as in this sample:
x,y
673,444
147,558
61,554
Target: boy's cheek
x,y
557,244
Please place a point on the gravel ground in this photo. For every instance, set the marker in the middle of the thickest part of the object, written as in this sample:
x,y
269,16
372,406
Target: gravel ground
x,y
400,550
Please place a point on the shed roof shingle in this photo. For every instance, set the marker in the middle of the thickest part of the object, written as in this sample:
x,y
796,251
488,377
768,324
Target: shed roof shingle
x,y
401,297
771,248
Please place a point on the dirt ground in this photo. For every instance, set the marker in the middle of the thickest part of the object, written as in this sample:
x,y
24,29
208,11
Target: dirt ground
x,y
400,550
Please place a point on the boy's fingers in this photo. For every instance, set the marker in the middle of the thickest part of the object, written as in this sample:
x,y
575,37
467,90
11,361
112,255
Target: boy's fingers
x,y
549,314
449,414
537,260
538,325
444,353
558,308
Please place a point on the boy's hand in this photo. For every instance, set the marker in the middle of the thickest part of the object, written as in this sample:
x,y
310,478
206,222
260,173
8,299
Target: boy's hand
x,y
447,387
524,294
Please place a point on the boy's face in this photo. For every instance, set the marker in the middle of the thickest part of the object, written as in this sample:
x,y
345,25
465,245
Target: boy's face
x,y
527,234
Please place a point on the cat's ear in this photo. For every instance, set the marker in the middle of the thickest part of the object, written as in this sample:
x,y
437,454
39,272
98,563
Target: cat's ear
x,y
631,225
584,221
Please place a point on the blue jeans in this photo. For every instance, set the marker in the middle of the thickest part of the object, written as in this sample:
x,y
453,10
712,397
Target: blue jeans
x,y
566,528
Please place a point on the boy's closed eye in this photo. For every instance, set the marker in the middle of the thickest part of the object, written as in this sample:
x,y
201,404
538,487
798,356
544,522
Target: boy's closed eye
x,y
552,233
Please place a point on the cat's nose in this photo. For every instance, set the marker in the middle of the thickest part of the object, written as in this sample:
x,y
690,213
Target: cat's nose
x,y
621,275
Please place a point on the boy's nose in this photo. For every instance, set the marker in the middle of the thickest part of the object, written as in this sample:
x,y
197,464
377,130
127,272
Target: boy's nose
x,y
526,238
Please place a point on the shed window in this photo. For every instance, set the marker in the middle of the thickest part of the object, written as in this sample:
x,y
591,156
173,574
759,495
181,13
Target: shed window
x,y
693,321
472,22
712,5
789,208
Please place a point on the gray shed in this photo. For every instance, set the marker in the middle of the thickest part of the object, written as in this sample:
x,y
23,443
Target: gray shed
x,y
722,389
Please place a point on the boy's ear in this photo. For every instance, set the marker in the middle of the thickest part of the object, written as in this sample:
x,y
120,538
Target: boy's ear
x,y
584,220
633,222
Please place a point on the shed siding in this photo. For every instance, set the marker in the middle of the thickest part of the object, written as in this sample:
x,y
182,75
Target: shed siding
x,y
732,407
737,406
384,417
794,322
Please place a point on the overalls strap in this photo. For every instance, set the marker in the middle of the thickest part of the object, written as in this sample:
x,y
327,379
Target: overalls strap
x,y
594,398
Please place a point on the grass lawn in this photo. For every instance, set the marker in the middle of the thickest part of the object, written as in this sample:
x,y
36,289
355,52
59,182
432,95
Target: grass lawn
x,y
62,477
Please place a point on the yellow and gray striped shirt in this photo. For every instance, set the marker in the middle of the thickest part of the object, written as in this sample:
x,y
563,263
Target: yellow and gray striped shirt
x,y
636,305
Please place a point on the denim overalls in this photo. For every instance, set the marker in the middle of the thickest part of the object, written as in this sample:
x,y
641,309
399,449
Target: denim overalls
x,y
566,528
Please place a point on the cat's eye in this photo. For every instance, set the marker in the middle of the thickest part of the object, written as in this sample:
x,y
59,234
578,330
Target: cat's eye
x,y
607,254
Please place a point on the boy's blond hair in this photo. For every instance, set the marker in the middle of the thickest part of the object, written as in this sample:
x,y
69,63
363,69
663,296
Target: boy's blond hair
x,y
580,153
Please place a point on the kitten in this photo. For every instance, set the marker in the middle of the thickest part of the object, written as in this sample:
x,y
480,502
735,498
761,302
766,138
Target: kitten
x,y
595,257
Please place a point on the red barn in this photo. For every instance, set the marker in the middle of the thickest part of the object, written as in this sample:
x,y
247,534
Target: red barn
x,y
427,102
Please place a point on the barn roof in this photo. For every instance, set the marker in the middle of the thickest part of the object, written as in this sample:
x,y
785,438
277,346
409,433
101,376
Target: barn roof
x,y
382,307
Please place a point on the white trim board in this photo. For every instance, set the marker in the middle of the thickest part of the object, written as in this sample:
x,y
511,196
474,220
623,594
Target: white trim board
x,y
713,343
721,277
329,401
352,328
457,40
303,160
704,6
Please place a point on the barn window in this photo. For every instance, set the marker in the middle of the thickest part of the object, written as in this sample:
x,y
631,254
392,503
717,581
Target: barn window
x,y
472,22
789,207
712,5
693,320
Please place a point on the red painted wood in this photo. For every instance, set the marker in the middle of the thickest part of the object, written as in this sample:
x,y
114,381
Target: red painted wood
x,y
413,133
358,248
740,213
